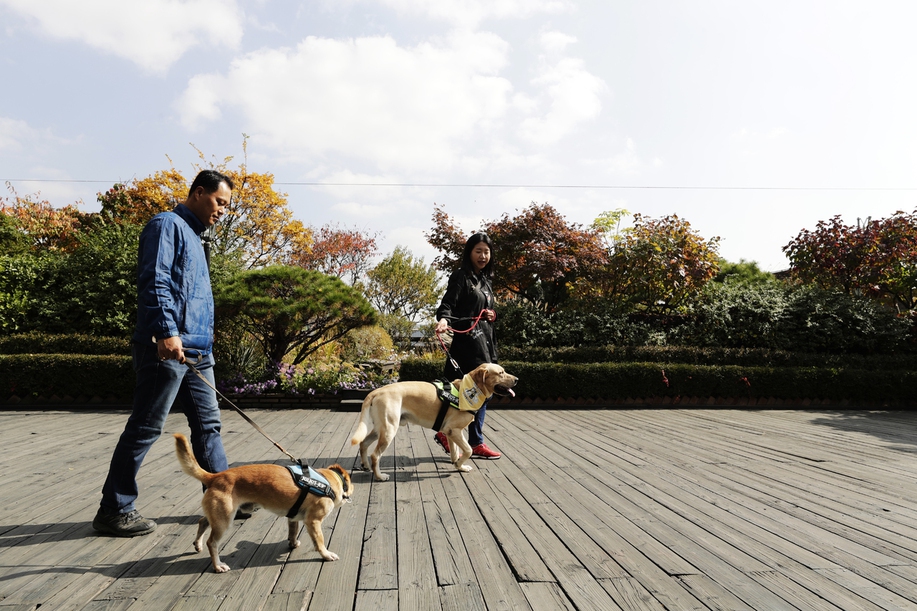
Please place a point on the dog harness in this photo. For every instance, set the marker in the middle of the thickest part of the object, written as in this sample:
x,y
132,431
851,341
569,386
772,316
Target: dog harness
x,y
314,482
468,398
448,396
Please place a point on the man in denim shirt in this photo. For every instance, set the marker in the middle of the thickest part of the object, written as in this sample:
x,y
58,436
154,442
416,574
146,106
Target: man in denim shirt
x,y
174,315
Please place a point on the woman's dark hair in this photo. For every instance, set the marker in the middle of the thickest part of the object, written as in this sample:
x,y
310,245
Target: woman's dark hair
x,y
210,180
473,241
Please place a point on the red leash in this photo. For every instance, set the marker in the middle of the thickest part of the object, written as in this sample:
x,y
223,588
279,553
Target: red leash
x,y
442,344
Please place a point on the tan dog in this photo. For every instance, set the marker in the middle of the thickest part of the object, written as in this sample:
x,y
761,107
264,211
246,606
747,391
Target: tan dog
x,y
271,487
393,405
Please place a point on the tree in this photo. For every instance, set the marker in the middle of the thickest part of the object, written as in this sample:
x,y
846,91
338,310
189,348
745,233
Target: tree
x,y
258,228
290,311
659,264
404,290
140,200
743,272
875,258
344,253
12,240
94,289
39,224
539,254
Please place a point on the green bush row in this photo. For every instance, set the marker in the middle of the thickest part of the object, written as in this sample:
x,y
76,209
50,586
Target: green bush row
x,y
43,343
617,380
47,375
756,357
73,375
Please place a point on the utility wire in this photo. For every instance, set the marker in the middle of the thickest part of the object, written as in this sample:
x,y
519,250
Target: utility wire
x,y
510,186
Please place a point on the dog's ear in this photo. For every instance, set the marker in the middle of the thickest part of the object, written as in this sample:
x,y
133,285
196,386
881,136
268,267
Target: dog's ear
x,y
479,376
345,477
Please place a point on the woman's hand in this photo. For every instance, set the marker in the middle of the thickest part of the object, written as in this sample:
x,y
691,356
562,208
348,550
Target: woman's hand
x,y
442,326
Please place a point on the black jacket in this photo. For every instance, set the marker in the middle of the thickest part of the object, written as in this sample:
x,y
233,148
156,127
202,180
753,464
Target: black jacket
x,y
466,295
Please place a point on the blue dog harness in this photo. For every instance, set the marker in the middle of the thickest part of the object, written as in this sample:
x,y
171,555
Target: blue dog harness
x,y
312,482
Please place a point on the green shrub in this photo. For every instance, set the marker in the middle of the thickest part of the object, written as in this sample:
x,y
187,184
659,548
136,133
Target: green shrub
x,y
41,343
365,344
623,380
46,375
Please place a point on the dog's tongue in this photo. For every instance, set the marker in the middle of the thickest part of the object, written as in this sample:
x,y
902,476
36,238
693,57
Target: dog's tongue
x,y
511,393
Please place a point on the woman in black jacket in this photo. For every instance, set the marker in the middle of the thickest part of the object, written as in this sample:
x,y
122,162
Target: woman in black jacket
x,y
468,293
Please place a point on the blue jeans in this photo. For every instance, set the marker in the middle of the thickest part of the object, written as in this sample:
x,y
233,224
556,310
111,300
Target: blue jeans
x,y
476,428
158,385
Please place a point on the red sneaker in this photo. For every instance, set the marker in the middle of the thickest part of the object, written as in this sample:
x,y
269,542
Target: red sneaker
x,y
482,451
441,439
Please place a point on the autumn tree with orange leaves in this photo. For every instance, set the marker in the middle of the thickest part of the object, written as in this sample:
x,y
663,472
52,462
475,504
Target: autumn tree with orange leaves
x,y
258,228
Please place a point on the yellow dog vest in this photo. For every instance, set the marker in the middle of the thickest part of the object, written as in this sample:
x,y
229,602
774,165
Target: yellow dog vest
x,y
470,396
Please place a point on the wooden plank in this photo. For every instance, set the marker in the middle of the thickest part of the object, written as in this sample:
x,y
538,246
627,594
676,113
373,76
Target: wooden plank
x,y
547,596
416,573
449,555
630,595
286,601
460,597
378,569
376,600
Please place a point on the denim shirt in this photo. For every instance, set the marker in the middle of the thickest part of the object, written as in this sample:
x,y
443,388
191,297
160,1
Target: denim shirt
x,y
173,283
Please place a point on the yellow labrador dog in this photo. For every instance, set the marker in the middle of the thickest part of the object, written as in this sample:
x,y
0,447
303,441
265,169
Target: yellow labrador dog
x,y
268,485
387,408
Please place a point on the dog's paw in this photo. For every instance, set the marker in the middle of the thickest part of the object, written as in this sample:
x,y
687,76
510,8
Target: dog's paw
x,y
330,556
465,468
382,477
197,546
294,544
221,568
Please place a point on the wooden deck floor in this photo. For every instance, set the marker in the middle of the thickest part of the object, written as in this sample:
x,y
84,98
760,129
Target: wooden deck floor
x,y
589,510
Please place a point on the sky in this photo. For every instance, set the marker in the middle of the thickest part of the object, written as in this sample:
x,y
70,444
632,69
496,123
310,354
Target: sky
x,y
752,120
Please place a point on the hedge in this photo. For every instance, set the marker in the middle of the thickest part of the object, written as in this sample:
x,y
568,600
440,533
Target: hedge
x,y
640,380
66,375
757,357
41,343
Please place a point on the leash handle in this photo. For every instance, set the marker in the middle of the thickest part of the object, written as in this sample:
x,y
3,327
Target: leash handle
x,y
237,408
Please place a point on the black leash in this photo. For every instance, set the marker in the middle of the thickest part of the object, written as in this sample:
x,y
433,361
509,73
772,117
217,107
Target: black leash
x,y
238,409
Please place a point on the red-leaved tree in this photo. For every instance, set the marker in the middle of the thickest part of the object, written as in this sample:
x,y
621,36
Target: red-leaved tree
x,y
877,258
341,252
538,254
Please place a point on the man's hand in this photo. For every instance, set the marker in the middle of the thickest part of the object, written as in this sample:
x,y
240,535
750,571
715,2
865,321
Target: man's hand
x,y
442,326
170,348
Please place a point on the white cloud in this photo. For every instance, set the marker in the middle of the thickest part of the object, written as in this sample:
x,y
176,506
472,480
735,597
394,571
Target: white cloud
x,y
13,133
151,33
469,13
366,98
440,106
569,92
17,136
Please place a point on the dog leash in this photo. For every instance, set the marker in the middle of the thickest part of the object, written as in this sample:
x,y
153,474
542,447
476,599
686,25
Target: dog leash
x,y
442,344
239,410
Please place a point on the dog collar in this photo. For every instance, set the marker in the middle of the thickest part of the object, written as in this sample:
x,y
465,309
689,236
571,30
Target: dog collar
x,y
345,490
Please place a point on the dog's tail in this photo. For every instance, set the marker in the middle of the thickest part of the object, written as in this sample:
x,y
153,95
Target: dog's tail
x,y
188,462
362,428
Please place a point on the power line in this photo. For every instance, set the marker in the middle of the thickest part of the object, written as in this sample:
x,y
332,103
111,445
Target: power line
x,y
511,186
